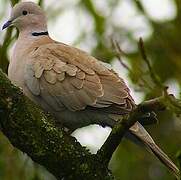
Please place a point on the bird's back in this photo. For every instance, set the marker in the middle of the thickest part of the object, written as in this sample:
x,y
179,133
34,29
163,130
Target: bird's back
x,y
64,78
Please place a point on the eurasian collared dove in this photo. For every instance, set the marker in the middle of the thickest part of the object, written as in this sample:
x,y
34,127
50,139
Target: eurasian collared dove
x,y
75,87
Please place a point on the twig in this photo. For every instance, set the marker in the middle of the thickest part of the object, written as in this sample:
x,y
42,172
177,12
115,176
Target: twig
x,y
40,3
119,53
3,50
120,129
172,103
7,41
13,2
153,75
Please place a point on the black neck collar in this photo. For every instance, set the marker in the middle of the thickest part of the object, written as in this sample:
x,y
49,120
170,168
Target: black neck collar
x,y
44,33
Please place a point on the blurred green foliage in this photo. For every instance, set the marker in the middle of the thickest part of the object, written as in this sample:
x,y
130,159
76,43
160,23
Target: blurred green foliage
x,y
163,48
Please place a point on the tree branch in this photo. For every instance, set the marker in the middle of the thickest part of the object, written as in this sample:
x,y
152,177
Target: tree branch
x,y
119,130
153,75
33,131
30,130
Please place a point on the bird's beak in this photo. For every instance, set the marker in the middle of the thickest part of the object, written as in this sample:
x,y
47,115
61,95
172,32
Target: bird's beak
x,y
7,24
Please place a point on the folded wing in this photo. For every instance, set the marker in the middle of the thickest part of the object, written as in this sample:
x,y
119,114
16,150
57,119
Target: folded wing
x,y
66,77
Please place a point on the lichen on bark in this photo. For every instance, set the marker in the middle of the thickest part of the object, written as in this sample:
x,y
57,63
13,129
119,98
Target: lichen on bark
x,y
32,131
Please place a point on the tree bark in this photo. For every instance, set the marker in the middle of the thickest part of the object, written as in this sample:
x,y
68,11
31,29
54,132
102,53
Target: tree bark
x,y
33,131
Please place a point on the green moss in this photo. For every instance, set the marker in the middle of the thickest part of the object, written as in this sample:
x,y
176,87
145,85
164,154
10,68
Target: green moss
x,y
34,132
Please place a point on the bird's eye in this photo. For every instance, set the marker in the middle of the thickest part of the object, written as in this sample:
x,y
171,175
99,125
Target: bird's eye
x,y
24,13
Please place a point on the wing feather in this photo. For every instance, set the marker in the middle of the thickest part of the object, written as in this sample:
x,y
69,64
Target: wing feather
x,y
31,81
66,77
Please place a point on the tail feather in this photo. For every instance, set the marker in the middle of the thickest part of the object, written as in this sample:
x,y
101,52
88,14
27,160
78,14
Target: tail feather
x,y
139,131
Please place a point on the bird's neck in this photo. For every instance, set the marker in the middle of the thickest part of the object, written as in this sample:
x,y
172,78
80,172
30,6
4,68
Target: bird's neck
x,y
28,39
33,32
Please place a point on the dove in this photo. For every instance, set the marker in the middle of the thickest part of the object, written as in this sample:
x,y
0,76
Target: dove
x,y
76,88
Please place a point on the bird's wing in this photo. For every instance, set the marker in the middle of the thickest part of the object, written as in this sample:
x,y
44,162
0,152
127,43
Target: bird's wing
x,y
66,77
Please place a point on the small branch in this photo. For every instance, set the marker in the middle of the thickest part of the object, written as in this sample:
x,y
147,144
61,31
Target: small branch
x,y
119,52
116,136
153,75
13,2
120,129
40,3
7,41
171,102
3,50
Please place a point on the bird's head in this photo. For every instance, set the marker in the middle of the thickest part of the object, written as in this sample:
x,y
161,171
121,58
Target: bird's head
x,y
25,16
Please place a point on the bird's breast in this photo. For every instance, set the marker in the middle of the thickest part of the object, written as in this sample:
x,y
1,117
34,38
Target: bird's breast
x,y
16,68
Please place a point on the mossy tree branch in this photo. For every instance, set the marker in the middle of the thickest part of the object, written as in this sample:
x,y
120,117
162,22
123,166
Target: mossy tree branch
x,y
33,131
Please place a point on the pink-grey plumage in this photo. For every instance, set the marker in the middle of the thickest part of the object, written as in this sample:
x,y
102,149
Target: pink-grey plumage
x,y
75,87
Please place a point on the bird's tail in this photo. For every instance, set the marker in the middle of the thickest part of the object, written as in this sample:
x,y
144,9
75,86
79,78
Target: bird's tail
x,y
142,135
